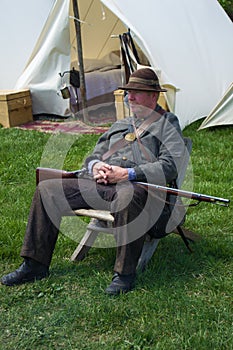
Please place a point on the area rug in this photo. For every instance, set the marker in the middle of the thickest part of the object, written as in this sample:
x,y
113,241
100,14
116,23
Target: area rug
x,y
72,127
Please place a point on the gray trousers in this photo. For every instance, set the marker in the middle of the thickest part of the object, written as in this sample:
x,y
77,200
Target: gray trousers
x,y
56,198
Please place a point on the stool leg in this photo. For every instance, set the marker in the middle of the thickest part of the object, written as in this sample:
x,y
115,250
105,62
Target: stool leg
x,y
150,246
84,245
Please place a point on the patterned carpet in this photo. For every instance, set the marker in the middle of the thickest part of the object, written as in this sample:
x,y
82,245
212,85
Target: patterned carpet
x,y
98,122
72,127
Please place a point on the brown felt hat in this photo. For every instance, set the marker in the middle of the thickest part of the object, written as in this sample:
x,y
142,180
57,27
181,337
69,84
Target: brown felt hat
x,y
144,79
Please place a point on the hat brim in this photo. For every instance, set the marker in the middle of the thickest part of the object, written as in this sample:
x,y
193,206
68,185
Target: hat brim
x,y
139,87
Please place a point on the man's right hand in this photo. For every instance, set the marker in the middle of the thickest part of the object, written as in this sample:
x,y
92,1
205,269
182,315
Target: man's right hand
x,y
100,170
109,174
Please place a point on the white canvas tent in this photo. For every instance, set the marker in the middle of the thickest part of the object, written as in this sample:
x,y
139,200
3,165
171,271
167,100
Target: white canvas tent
x,y
188,41
21,23
222,114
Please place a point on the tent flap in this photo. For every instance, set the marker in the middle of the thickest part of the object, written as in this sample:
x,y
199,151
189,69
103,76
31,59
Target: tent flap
x,y
222,114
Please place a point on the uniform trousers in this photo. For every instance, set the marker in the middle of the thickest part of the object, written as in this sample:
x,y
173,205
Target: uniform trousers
x,y
56,198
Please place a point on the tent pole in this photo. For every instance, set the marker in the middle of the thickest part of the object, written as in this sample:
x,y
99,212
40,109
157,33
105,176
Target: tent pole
x,y
80,60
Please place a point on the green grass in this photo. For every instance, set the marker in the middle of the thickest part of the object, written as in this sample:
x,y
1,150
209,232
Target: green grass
x,y
182,301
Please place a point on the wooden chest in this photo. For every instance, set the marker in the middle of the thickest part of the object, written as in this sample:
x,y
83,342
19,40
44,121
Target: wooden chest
x,y
15,107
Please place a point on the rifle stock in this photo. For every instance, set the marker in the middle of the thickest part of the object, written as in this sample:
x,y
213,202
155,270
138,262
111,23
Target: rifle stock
x,y
50,173
187,194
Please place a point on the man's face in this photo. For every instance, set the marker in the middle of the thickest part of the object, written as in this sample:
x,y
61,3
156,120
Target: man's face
x,y
142,102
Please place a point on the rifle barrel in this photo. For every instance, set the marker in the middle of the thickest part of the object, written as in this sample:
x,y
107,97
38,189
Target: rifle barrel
x,y
187,194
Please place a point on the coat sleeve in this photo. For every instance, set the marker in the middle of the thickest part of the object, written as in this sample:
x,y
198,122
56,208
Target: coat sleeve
x,y
105,141
100,148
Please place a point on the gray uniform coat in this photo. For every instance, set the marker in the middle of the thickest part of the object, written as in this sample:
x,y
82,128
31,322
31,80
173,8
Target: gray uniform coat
x,y
156,159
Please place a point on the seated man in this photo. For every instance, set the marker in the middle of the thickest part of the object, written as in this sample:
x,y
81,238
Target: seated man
x,y
147,147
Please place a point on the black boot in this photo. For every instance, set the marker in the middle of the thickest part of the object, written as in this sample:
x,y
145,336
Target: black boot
x,y
121,284
29,271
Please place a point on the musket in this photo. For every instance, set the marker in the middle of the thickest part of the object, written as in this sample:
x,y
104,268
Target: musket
x,y
50,173
187,194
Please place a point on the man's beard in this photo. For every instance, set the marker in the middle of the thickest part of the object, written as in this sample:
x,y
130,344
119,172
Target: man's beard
x,y
139,110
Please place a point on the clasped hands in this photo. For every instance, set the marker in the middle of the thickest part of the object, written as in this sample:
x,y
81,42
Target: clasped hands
x,y
109,174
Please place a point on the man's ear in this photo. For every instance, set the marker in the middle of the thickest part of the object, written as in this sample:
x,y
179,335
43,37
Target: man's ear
x,y
156,96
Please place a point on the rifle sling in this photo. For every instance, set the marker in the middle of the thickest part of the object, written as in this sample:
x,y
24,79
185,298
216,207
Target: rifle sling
x,y
123,142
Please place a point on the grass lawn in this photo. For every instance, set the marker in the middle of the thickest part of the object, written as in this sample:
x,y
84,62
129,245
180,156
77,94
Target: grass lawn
x,y
182,300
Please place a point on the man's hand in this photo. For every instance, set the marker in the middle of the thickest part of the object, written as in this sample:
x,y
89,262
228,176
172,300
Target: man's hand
x,y
109,174
100,170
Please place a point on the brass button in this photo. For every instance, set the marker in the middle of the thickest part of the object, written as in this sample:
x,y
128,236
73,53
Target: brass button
x,y
130,136
124,158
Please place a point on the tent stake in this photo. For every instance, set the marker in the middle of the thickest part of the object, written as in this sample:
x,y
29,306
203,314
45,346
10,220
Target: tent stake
x,y
80,60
